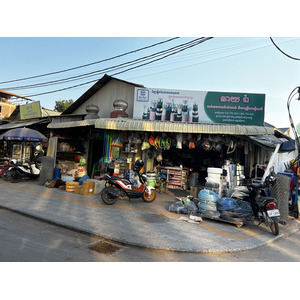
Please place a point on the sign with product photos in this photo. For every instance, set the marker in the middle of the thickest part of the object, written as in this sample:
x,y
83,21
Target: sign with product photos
x,y
199,106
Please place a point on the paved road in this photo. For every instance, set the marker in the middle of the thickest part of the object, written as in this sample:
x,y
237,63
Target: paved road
x,y
24,239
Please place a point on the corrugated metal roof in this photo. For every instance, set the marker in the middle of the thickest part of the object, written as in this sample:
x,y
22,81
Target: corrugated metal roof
x,y
178,127
88,122
21,124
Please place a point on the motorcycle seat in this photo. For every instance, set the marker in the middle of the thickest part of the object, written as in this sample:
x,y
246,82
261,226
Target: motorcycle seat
x,y
262,199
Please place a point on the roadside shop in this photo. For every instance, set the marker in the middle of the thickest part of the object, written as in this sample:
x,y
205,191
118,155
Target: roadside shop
x,y
180,135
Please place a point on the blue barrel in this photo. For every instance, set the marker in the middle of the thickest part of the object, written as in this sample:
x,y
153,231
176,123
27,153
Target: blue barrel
x,y
56,173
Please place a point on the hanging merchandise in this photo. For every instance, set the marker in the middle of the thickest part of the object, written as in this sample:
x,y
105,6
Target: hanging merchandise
x,y
106,147
206,145
185,140
146,144
137,139
152,140
117,142
159,156
157,142
179,139
165,143
124,139
192,143
231,147
217,146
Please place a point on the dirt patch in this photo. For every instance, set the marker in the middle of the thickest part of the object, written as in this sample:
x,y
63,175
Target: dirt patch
x,y
104,248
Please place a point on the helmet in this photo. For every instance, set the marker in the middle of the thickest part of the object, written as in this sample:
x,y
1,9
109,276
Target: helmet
x,y
270,180
138,165
151,140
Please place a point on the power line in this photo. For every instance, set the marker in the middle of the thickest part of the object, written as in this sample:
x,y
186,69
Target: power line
x,y
89,64
191,44
295,58
115,67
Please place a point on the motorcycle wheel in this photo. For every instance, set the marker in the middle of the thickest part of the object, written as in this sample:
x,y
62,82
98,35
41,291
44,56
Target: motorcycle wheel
x,y
5,175
15,177
274,226
106,198
149,197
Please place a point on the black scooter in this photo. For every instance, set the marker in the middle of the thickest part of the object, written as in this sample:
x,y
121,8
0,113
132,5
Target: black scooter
x,y
265,208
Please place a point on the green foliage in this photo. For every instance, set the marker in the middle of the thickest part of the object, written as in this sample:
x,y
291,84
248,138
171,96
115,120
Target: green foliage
x,y
62,105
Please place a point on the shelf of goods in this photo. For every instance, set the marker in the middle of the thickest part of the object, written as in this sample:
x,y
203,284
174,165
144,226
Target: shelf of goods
x,y
176,177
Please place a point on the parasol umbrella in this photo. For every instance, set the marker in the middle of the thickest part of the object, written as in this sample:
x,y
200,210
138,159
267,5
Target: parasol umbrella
x,y
23,134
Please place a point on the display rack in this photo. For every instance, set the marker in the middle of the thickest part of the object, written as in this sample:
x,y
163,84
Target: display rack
x,y
176,177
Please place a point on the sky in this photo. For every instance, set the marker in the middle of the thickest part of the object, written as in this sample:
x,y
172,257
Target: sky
x,y
227,64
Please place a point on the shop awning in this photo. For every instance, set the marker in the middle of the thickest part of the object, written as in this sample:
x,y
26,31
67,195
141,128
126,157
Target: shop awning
x,y
88,122
269,143
178,127
20,124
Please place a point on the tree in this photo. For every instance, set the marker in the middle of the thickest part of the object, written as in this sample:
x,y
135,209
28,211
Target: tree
x,y
62,105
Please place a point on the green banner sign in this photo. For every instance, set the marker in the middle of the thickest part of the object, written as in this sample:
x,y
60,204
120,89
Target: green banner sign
x,y
235,108
199,106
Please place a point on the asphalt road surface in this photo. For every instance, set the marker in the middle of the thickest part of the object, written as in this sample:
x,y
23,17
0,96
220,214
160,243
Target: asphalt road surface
x,y
24,239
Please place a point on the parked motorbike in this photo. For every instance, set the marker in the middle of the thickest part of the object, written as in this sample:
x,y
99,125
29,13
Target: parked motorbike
x,y
18,172
4,171
117,188
265,208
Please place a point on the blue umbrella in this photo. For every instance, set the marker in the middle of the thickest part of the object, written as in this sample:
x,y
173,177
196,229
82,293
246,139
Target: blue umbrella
x,y
23,134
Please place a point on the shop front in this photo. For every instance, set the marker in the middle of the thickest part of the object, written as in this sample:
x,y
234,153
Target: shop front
x,y
179,135
178,155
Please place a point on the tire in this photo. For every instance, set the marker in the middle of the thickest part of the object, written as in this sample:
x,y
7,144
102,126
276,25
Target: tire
x,y
15,177
5,175
106,198
149,198
274,225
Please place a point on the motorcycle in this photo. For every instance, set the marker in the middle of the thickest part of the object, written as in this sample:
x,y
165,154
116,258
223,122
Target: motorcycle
x,y
4,171
117,188
264,207
18,172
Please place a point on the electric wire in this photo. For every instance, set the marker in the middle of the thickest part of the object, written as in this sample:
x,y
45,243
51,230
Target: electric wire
x,y
101,71
295,58
172,53
90,64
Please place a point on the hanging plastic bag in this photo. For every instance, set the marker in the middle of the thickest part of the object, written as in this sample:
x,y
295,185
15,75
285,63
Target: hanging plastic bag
x,y
179,139
117,142
145,144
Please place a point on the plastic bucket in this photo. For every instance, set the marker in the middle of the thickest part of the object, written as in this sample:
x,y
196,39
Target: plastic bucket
x,y
56,173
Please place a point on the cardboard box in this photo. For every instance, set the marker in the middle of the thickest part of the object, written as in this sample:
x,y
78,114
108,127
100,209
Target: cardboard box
x,y
98,185
88,187
77,189
73,183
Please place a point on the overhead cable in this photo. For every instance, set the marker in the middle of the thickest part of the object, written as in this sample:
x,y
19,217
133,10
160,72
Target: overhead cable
x,y
295,58
174,52
105,70
90,64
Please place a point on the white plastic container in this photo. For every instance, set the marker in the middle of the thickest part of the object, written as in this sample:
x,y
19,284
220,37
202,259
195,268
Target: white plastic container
x,y
214,170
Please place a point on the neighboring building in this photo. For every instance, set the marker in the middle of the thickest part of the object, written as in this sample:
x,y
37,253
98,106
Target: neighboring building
x,y
6,109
